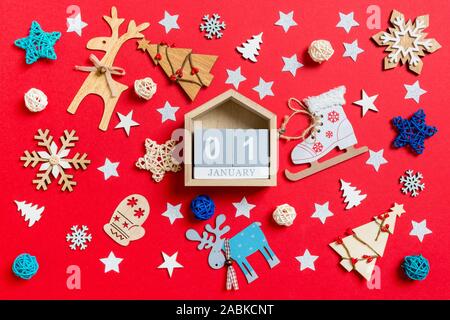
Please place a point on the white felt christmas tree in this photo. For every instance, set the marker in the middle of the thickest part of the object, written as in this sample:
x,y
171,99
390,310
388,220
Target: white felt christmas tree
x,y
363,246
31,212
250,49
352,196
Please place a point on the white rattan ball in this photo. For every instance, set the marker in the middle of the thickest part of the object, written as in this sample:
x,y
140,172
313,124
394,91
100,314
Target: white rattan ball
x,y
145,88
284,215
320,50
35,100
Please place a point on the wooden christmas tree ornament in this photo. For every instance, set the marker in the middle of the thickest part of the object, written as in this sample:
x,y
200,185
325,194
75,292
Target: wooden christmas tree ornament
x,y
99,80
363,245
406,42
191,71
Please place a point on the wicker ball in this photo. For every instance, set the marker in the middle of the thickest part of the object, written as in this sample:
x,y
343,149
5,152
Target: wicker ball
x,y
284,215
320,50
35,100
145,88
25,266
416,267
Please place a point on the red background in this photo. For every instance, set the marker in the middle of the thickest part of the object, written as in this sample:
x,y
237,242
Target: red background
x,y
94,199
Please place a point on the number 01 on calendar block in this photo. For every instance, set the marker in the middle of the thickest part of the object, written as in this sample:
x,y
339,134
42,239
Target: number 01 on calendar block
x,y
231,141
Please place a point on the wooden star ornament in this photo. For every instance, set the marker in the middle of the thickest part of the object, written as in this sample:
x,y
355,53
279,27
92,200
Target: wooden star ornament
x,y
406,42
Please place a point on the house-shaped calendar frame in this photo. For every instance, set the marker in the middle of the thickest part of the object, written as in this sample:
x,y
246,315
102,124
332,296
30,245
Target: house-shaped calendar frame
x,y
231,110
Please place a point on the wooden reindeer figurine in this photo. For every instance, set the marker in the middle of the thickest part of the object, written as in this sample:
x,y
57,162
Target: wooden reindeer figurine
x,y
238,248
99,80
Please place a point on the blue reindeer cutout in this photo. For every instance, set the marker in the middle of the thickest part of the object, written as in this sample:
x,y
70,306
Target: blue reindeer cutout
x,y
242,245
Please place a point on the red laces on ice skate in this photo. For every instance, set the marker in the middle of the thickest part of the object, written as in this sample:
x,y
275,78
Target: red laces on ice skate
x,y
316,121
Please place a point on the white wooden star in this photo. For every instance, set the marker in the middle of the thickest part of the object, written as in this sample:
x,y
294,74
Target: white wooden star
x,y
173,212
170,263
168,112
243,208
367,103
264,88
414,91
111,263
322,212
291,64
307,261
346,21
235,77
126,122
352,50
286,20
420,229
76,24
376,159
169,22
109,169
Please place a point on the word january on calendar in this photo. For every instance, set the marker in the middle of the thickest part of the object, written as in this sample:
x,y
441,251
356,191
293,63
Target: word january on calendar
x,y
231,154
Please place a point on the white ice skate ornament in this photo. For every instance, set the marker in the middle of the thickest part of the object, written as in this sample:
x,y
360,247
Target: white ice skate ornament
x,y
250,49
352,196
329,128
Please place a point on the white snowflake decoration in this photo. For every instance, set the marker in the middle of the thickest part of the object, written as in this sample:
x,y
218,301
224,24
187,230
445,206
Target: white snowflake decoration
x,y
412,183
406,42
212,26
78,237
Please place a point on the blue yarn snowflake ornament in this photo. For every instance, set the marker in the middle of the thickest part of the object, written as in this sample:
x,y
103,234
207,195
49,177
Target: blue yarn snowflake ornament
x,y
38,44
413,131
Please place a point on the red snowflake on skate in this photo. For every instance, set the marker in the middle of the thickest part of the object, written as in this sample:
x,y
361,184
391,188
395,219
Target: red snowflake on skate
x,y
317,147
333,116
329,134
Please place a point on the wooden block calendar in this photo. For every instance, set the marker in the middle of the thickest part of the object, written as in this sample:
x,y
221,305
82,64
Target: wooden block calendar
x,y
230,141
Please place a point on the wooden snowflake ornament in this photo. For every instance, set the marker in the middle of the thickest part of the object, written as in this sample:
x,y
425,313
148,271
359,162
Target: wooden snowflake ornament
x,y
54,161
406,42
159,159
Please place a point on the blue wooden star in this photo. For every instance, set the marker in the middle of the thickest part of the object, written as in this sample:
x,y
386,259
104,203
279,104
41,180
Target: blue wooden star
x,y
413,131
38,44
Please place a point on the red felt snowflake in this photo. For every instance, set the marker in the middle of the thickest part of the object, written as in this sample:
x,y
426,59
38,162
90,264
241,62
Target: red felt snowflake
x,y
329,134
317,147
139,213
132,202
333,116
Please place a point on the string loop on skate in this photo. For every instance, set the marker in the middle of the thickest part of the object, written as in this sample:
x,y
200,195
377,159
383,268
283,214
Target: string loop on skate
x,y
312,128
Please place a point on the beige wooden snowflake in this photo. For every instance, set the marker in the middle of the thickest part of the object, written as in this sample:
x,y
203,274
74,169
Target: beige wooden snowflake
x,y
54,161
406,42
159,159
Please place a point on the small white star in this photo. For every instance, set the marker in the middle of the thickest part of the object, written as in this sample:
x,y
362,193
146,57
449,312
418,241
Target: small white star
x,y
322,212
352,50
414,91
420,229
170,263
367,103
376,159
291,64
173,212
307,261
169,22
243,208
111,263
235,77
347,21
126,122
168,112
264,88
286,20
76,24
109,169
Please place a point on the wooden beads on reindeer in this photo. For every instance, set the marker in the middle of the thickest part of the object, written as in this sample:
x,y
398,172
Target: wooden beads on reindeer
x,y
35,100
284,215
145,88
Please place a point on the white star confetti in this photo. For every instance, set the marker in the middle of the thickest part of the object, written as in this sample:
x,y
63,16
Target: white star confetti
x,y
376,159
170,263
346,21
367,103
109,169
352,50
168,112
264,88
126,122
111,263
76,24
307,261
291,64
322,212
420,229
173,212
169,22
286,20
235,77
243,208
414,91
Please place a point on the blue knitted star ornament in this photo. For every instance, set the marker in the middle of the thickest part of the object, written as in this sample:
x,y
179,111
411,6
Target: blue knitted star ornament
x,y
38,44
413,131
